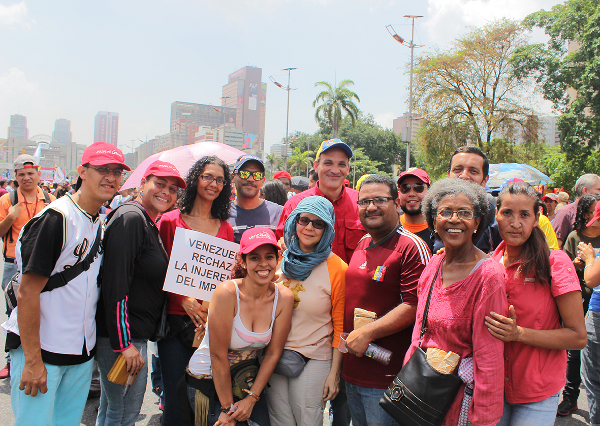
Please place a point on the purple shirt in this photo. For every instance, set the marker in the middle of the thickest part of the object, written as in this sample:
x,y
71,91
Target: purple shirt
x,y
564,220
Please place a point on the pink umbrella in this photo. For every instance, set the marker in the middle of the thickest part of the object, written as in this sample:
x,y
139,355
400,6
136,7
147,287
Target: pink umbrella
x,y
184,157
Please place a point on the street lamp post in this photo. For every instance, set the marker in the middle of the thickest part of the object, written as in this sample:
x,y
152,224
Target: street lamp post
x,y
287,124
412,46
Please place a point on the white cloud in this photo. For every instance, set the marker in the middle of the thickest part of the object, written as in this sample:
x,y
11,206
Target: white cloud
x,y
14,85
385,119
447,19
15,15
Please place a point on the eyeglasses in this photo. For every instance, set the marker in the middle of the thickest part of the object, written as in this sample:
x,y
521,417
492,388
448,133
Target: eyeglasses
x,y
316,223
245,174
418,187
377,201
210,179
461,214
103,170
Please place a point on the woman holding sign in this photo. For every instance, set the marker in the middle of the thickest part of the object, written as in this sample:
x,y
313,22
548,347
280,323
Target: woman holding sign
x,y
247,313
131,301
204,207
309,372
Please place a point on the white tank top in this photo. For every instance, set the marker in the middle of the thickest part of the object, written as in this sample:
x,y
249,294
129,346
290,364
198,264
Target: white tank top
x,y
243,345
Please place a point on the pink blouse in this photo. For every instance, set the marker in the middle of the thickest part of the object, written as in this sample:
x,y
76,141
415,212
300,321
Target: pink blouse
x,y
533,374
456,323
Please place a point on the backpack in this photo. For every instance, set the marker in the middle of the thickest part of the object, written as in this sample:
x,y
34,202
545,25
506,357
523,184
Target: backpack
x,y
57,280
14,199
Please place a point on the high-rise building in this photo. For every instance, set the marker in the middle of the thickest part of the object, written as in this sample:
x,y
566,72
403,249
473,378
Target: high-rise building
x,y
106,127
401,126
18,127
187,118
62,131
248,95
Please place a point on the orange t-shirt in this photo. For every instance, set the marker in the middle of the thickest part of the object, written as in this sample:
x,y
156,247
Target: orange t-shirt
x,y
28,210
411,227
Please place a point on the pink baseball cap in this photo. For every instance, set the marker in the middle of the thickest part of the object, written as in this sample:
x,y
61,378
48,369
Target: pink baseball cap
x,y
416,172
596,215
101,153
256,237
165,169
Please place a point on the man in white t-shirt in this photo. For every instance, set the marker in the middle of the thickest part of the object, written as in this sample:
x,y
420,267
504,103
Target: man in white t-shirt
x,y
52,332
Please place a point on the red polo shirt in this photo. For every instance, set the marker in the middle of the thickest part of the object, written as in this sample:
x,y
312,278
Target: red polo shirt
x,y
348,229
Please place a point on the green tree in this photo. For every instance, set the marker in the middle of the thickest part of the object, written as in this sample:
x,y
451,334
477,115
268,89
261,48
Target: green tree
x,y
273,161
567,69
335,101
470,89
300,162
361,164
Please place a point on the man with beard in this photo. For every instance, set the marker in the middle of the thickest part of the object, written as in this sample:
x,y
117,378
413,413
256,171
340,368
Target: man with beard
x,y
249,210
412,187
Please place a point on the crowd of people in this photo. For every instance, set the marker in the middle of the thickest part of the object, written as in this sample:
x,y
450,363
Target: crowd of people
x,y
322,274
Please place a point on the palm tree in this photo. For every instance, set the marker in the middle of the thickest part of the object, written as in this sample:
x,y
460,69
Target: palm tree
x,y
336,100
272,160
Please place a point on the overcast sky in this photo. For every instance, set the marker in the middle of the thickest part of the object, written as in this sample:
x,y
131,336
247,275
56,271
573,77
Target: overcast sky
x,y
71,59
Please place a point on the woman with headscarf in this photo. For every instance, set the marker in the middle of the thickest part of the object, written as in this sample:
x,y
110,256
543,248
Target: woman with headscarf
x,y
308,373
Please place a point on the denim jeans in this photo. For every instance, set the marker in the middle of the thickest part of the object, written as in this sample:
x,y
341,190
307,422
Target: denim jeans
x,y
590,365
175,357
64,402
259,415
116,409
155,373
541,413
364,406
10,269
571,390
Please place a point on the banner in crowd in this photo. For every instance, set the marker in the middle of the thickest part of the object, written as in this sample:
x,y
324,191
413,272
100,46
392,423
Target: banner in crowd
x,y
199,262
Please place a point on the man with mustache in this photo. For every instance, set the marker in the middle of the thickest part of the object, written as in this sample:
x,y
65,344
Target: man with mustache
x,y
249,210
412,187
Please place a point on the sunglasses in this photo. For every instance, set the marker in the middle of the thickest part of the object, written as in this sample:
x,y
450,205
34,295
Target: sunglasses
x,y
418,187
316,223
245,174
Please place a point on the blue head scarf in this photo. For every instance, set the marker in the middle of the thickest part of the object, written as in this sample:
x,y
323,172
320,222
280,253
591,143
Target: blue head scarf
x,y
295,263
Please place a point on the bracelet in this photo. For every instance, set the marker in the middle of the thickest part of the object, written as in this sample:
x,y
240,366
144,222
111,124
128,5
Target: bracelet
x,y
252,394
225,410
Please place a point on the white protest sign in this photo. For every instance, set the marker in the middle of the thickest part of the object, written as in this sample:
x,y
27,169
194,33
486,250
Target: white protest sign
x,y
199,262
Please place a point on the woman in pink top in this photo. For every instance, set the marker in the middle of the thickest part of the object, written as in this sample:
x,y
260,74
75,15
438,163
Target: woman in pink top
x,y
542,289
468,286
204,207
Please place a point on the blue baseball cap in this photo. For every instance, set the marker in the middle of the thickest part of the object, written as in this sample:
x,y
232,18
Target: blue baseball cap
x,y
244,159
334,143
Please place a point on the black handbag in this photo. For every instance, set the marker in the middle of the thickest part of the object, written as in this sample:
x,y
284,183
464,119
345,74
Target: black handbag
x,y
420,395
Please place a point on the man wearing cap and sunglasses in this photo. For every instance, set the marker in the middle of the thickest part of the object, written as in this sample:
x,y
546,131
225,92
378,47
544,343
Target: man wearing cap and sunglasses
x,y
16,208
249,210
412,187
52,332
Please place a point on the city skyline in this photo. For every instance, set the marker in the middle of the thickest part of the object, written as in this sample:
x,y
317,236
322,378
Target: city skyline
x,y
149,69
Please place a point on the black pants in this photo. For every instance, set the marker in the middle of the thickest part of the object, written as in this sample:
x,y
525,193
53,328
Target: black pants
x,y
571,390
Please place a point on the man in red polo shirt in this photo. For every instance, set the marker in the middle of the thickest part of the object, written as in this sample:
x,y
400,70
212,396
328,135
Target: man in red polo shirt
x,y
333,165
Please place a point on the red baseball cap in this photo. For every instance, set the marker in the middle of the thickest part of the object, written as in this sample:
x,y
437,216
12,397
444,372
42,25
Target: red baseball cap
x,y
596,215
101,153
256,237
282,174
416,172
165,169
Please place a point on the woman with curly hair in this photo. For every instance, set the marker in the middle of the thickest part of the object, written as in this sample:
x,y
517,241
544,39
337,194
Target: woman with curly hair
x,y
204,207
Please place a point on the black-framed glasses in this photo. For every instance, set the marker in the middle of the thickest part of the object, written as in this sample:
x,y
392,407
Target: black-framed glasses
x,y
245,174
104,171
210,179
461,214
316,223
377,201
406,187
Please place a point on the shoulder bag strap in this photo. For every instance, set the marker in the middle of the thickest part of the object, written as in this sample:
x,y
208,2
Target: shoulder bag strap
x,y
61,279
426,311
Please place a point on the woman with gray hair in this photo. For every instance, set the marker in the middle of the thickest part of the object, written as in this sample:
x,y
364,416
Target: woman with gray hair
x,y
465,286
